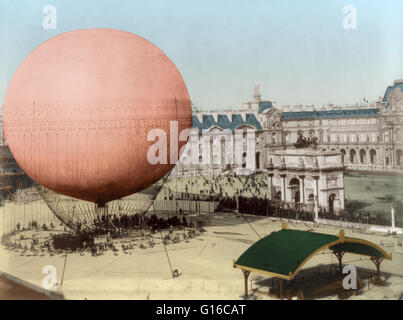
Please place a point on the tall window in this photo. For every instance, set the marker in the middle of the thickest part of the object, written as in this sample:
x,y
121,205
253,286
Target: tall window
x,y
343,137
386,136
363,156
398,135
343,155
372,156
352,156
399,157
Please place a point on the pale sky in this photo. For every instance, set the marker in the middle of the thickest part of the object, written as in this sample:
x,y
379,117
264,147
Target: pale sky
x,y
297,50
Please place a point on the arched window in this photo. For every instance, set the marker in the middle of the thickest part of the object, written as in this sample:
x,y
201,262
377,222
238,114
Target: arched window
x,y
372,156
294,182
399,155
297,196
332,197
352,156
363,156
343,155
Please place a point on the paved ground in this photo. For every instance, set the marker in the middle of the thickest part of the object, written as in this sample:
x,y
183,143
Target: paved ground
x,y
10,290
204,264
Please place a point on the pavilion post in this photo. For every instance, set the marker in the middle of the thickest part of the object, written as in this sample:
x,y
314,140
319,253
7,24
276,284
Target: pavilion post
x,y
245,276
392,213
377,261
339,255
280,282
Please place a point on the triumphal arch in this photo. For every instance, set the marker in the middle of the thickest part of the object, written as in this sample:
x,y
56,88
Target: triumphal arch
x,y
308,177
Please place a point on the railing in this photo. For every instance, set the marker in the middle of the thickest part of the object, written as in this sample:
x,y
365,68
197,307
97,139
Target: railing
x,y
359,225
373,167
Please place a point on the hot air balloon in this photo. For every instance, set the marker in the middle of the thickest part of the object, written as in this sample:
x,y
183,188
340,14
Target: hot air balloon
x,y
78,112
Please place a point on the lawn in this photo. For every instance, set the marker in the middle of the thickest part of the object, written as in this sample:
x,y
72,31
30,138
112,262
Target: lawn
x,y
376,192
371,193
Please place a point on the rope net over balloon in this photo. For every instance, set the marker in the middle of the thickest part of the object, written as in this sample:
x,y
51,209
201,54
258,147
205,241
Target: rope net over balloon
x,y
114,216
96,116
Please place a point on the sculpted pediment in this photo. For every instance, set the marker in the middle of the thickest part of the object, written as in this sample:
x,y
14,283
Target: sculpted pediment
x,y
396,100
274,118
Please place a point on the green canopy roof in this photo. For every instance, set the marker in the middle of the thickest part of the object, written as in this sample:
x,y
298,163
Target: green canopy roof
x,y
359,248
283,253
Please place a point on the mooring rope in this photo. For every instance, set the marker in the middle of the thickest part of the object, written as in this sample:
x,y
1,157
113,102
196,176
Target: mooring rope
x,y
166,252
253,228
64,268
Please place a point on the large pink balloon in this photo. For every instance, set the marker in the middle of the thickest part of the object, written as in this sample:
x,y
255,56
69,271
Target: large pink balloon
x,y
78,110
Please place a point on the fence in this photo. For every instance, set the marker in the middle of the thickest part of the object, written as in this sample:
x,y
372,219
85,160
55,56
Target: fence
x,y
304,212
359,226
185,206
14,215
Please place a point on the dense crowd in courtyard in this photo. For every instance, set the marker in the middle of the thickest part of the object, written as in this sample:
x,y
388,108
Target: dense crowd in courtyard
x,y
142,231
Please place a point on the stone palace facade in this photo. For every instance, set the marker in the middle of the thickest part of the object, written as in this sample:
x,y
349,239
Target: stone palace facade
x,y
369,138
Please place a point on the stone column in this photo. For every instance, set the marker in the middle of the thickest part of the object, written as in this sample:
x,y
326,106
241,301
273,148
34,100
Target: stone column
x,y
316,199
392,213
283,189
302,188
342,191
270,168
270,193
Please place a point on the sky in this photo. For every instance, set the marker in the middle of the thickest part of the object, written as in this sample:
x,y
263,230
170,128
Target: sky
x,y
298,50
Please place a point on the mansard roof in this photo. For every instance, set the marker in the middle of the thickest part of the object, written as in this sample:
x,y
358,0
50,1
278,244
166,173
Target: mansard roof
x,y
387,92
264,105
397,84
223,122
343,113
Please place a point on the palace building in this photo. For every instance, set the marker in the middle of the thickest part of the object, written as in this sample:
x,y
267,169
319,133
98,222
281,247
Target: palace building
x,y
368,137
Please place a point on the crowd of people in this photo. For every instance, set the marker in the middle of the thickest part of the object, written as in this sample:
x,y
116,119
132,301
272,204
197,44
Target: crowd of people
x,y
248,194
265,207
216,187
124,222
111,229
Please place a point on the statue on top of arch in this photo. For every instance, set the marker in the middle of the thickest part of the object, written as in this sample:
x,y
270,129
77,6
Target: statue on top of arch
x,y
302,142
